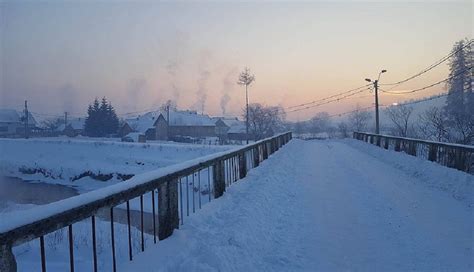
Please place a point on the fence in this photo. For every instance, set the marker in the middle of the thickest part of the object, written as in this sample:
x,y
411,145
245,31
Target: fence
x,y
456,156
167,190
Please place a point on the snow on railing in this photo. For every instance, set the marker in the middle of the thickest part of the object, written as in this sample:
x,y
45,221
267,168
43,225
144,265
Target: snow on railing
x,y
212,173
456,156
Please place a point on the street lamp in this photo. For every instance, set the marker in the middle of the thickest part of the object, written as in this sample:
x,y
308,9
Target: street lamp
x,y
376,87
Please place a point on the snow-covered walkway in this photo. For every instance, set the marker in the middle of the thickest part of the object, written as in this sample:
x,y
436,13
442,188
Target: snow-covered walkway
x,y
329,206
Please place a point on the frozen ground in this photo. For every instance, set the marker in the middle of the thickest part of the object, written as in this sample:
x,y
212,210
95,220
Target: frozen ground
x,y
329,206
63,160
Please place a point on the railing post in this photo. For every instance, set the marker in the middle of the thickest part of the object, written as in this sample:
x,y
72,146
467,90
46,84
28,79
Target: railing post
x,y
264,151
242,165
386,142
378,140
219,181
411,148
168,216
459,159
397,145
433,151
372,139
256,156
7,259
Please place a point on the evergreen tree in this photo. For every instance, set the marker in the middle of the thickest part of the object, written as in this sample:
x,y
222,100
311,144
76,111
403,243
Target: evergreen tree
x,y
101,119
459,76
458,111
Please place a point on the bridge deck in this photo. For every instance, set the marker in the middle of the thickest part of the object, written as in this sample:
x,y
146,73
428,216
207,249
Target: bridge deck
x,y
329,205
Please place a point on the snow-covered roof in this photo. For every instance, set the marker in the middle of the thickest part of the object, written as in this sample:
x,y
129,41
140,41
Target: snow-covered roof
x,y
229,121
144,122
13,116
9,116
75,123
189,118
238,128
177,118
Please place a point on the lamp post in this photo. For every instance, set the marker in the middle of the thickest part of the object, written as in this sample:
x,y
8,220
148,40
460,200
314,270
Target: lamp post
x,y
376,88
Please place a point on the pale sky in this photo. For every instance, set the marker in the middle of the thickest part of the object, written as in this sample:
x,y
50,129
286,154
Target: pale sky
x,y
60,55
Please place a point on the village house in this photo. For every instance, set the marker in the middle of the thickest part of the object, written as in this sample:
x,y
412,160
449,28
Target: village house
x,y
230,129
182,124
12,123
73,128
144,124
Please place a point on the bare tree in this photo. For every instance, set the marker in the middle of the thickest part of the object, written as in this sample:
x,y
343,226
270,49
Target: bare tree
x,y
432,125
264,121
400,117
320,123
246,79
359,119
343,129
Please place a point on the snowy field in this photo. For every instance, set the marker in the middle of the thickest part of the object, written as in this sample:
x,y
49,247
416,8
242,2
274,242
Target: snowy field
x,y
329,206
73,162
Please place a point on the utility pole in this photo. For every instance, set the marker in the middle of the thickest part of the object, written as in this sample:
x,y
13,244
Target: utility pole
x,y
26,119
376,89
377,124
247,117
245,78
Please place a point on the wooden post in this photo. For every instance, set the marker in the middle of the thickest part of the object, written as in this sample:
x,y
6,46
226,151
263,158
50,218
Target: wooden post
x,y
256,156
168,208
412,148
433,152
397,145
219,181
242,165
458,159
378,140
371,139
7,259
264,151
386,142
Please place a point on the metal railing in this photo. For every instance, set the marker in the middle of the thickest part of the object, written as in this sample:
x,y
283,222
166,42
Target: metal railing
x,y
208,177
456,156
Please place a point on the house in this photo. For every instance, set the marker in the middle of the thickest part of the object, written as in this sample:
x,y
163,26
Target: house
x,y
144,124
73,128
184,124
230,128
155,125
12,123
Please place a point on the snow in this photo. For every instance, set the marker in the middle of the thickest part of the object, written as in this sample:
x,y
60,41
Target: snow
x,y
64,159
328,206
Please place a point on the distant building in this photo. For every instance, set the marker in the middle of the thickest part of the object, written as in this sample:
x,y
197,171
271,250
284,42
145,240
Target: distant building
x,y
12,123
184,123
73,128
144,124
230,129
155,125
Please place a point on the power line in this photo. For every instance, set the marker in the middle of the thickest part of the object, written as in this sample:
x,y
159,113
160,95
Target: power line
x,y
429,86
327,102
329,97
432,66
